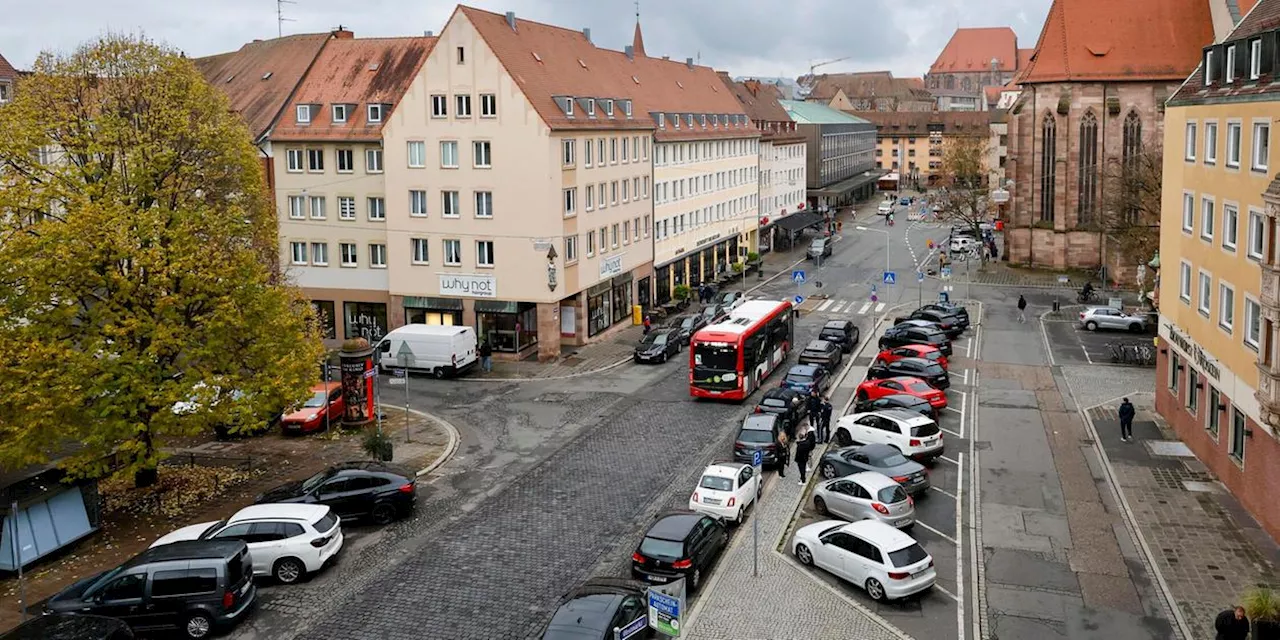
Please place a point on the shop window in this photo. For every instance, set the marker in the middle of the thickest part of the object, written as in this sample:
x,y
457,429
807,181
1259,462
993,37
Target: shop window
x,y
1193,391
366,320
508,326
325,318
1236,449
1213,417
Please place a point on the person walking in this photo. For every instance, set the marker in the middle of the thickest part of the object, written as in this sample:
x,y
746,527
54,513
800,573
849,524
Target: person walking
x,y
486,356
814,405
1022,309
784,454
1126,412
804,448
648,325
1232,624
824,427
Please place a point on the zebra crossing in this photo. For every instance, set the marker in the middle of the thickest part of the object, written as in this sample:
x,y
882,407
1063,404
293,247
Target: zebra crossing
x,y
851,307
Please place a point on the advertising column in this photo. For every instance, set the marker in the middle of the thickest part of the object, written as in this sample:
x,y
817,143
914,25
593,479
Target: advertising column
x,y
358,371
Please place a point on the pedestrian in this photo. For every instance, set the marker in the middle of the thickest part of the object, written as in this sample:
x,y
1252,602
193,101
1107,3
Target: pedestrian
x,y
814,405
1126,420
486,356
804,448
1232,624
784,454
824,428
1022,309
648,324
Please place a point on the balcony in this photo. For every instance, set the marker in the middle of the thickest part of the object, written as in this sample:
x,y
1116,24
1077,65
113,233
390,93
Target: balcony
x,y
1268,395
1269,296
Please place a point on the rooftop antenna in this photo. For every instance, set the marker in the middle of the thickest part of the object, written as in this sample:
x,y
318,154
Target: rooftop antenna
x,y
637,10
280,19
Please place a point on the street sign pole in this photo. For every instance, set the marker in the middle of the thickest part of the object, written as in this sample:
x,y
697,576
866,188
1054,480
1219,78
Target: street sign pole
x,y
404,363
328,415
17,560
756,463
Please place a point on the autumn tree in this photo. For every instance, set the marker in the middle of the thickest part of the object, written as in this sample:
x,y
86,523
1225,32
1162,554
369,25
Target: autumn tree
x,y
138,265
1130,216
963,199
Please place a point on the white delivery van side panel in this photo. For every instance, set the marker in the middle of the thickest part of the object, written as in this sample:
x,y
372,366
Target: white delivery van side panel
x,y
465,347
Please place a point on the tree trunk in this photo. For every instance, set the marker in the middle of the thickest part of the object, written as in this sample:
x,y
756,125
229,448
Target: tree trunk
x,y
148,475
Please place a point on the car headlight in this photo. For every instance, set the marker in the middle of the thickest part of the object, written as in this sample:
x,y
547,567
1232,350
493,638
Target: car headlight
x,y
313,416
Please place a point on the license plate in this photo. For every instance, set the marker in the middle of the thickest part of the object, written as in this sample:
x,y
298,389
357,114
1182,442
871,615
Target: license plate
x,y
931,441
710,501
919,573
902,522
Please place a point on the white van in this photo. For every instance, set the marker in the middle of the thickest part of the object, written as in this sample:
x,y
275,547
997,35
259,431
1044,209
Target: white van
x,y
885,208
439,350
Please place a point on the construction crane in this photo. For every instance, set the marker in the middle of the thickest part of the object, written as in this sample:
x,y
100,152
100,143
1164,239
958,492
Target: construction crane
x,y
807,82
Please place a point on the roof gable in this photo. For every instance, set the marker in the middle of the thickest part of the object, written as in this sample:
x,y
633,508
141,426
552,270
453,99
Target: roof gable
x,y
260,77
7,72
877,84
973,49
1262,18
1086,40
760,100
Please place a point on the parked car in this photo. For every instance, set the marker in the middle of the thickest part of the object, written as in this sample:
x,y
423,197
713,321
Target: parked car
x,y
687,325
326,404
916,436
822,353
224,401
949,323
881,458
866,495
66,626
759,431
884,561
443,351
725,491
195,587
679,544
873,389
286,541
928,352
788,405
904,201
842,332
897,401
593,610
885,208
952,308
963,243
714,313
658,346
1095,318
805,378
819,248
898,335
922,368
730,300
373,490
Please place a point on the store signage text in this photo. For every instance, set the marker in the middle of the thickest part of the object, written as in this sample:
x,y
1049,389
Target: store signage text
x,y
1203,360
468,285
611,266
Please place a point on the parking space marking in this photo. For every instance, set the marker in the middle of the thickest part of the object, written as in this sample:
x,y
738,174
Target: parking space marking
x,y
864,308
948,594
958,435
955,410
965,377
946,459
937,533
1086,353
945,493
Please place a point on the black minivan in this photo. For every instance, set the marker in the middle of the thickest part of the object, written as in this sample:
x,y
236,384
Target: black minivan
x,y
194,586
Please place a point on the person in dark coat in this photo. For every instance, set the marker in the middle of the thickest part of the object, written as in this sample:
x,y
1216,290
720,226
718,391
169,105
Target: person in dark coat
x,y
814,404
1126,420
804,448
1232,624
784,454
486,356
1022,309
824,427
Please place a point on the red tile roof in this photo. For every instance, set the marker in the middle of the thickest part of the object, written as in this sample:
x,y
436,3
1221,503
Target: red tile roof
x,y
917,123
992,94
547,61
869,84
1091,40
1024,57
760,99
356,72
261,76
7,72
971,50
1263,17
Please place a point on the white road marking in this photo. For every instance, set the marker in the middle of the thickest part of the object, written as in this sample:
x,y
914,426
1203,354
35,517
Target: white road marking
x,y
948,594
839,305
965,378
864,308
944,492
956,410
824,305
929,528
879,307
959,598
951,432
946,459
1086,354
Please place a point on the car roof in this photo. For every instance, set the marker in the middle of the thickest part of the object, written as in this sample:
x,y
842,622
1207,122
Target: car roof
x,y
882,535
903,397
371,466
754,419
786,393
674,525
876,450
280,511
914,360
822,345
806,369
189,550
837,324
583,615
64,626
904,415
723,470
872,480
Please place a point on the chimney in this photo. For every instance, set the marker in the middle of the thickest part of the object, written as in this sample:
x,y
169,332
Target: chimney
x,y
586,33
428,34
688,62
630,51
666,57
511,20
342,33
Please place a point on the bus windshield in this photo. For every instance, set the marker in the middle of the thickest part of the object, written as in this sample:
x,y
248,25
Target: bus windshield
x,y
718,358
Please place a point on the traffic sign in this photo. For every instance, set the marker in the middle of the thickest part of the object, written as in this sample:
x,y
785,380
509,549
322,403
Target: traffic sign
x,y
756,458
797,276
632,628
946,273
890,277
664,613
395,382
875,298
1063,279
400,373
919,276
371,373
798,299
873,288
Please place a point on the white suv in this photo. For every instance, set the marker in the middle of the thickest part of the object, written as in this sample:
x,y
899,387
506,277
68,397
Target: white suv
x,y
885,208
726,490
286,541
886,562
914,435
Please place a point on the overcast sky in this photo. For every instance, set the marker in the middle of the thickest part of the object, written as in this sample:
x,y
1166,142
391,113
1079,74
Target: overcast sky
x,y
743,37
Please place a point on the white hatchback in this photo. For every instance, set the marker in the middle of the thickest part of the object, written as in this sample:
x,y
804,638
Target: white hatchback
x,y
286,541
914,435
887,563
725,490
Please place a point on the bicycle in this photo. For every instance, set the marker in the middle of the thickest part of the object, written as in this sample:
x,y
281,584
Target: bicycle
x,y
1116,353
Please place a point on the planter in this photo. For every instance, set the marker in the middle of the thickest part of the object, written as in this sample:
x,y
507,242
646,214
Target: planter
x,y
1266,630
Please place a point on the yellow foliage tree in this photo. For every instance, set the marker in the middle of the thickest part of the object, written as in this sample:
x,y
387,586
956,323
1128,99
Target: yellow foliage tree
x,y
140,291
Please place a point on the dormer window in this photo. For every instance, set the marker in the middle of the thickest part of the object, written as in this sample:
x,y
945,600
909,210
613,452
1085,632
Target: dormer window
x,y
689,119
4,95
1255,59
662,121
1231,63
677,120
339,113
591,107
1208,66
702,119
304,114
568,107
626,108
375,112
608,108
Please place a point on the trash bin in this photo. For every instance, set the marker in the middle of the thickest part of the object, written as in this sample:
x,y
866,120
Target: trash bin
x,y
637,315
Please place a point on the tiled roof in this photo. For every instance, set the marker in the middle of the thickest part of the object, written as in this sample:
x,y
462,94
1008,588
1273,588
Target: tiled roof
x,y
547,61
992,94
971,50
261,76
868,84
1264,17
817,113
909,123
760,99
1024,57
7,72
915,83
1091,40
356,72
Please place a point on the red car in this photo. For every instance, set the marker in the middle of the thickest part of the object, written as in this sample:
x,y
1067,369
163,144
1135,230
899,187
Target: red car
x,y
872,389
928,352
311,416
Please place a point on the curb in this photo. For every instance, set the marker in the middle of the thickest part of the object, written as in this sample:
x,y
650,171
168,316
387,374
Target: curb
x,y
450,447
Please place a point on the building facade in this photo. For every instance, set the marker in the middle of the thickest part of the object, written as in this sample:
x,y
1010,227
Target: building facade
x,y
912,144
1092,100
8,79
973,60
1219,295
839,154
870,91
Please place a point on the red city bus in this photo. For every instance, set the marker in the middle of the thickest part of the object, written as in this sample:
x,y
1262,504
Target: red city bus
x,y
731,359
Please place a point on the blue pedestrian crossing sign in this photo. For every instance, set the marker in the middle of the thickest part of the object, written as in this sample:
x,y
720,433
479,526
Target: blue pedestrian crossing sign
x,y
797,276
919,276
890,277
946,272
798,299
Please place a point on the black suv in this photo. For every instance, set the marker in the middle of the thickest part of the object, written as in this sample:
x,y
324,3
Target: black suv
x,y
64,626
788,405
194,586
899,335
949,323
897,401
679,544
841,332
375,490
822,353
657,346
926,370
961,313
595,609
759,431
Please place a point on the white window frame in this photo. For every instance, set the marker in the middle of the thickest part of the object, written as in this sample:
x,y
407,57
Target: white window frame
x,y
589,203
295,160
320,254
1230,226
303,114
1211,142
1255,58
1208,217
346,207
448,154
350,155
462,106
591,107
375,112
418,207
1238,456
608,107
1235,132
1231,64
1204,292
1226,308
297,207
369,160
439,105
484,204
482,154
568,153
348,250
1184,282
339,109
591,243
1189,142
1252,313
1257,235
570,202
419,251
452,246
316,206
1208,67
484,261
1188,212
416,150
377,208
488,105
315,153
377,255
298,253
570,250
450,204
1260,154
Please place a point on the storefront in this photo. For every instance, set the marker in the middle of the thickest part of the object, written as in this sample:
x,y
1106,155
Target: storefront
x,y
366,320
437,311
644,292
709,264
510,327
326,318
599,308
622,297
662,285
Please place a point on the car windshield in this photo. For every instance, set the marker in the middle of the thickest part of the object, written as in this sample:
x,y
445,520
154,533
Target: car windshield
x,y
314,481
932,354
666,549
799,378
932,370
909,556
723,358
316,400
716,482
924,430
654,338
919,387
777,403
204,535
891,460
755,436
326,522
687,323
892,495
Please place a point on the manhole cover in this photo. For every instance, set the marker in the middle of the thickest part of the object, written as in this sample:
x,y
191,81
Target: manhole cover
x,y
1203,487
1168,448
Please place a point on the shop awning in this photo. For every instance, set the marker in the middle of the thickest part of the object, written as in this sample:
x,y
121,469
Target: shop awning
x,y
799,220
845,186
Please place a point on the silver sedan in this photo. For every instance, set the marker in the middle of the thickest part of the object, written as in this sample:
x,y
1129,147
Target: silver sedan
x,y
866,496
